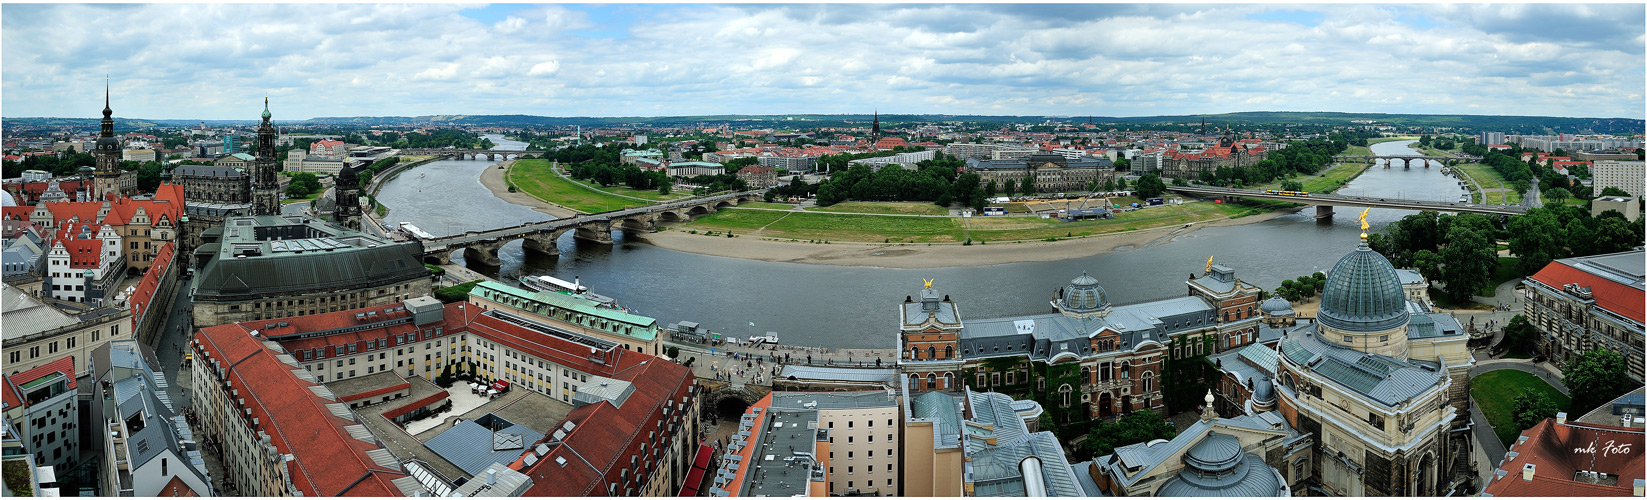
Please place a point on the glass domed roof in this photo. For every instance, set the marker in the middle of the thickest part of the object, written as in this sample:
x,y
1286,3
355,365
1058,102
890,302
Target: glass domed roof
x,y
1084,295
1363,294
1276,304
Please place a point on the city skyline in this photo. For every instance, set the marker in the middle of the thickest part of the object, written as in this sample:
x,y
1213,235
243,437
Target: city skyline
x,y
671,60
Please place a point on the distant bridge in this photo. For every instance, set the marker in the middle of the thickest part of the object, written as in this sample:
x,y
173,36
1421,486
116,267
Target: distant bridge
x,y
1407,161
466,154
1324,202
482,246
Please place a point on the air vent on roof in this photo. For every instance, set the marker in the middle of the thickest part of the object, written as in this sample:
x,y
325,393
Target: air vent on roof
x,y
561,461
284,324
542,449
530,459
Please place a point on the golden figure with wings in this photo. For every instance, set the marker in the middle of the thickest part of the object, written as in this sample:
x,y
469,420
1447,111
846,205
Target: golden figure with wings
x,y
1209,265
1364,225
927,282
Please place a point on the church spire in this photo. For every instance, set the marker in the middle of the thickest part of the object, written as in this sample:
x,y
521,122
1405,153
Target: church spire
x,y
107,129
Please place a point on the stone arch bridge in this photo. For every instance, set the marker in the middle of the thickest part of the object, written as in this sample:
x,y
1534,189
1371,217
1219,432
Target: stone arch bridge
x,y
470,154
482,246
1406,161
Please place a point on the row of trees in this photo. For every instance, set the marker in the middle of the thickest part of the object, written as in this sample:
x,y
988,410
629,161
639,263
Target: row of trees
x,y
303,184
1302,287
628,175
456,138
1298,158
1544,234
1458,250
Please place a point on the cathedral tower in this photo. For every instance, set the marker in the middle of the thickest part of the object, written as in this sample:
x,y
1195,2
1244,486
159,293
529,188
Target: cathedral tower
x,y
265,186
108,154
347,191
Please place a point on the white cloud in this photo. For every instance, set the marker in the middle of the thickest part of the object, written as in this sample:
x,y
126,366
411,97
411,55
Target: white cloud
x,y
1115,59
546,68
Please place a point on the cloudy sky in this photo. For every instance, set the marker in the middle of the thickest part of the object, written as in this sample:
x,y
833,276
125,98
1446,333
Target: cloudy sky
x,y
217,61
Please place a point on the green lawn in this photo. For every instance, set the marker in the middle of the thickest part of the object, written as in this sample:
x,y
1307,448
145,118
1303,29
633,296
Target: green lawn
x,y
885,207
876,228
1489,180
1328,180
534,178
762,204
1358,150
1495,392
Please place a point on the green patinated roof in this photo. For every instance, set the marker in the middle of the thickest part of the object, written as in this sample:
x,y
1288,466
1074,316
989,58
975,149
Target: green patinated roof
x,y
333,258
648,327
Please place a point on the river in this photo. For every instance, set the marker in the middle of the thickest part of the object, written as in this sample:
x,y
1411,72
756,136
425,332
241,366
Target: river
x,y
854,307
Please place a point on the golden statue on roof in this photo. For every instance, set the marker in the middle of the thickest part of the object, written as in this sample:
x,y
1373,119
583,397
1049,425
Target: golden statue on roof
x,y
1209,265
927,282
1364,225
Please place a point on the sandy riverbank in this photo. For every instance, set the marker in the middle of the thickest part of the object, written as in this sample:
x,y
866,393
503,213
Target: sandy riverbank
x,y
492,178
923,256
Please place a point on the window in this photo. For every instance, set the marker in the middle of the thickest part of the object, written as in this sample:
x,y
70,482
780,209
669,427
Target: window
x,y
848,454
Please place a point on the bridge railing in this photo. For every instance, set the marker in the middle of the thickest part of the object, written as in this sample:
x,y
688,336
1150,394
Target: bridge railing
x,y
477,235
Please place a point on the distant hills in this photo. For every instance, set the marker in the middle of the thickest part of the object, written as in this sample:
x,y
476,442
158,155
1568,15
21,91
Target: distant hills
x,y
1508,124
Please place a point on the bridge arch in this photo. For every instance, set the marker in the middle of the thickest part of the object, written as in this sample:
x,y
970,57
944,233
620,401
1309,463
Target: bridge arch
x,y
730,402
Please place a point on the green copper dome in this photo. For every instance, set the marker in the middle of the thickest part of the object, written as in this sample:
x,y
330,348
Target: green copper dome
x,y
266,114
1363,294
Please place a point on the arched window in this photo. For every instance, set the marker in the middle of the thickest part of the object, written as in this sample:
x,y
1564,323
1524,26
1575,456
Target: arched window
x,y
914,353
914,381
949,380
1126,370
931,381
1063,392
931,352
1149,380
949,352
1086,375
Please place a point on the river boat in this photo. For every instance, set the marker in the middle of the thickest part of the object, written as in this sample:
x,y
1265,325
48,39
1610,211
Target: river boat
x,y
546,283
770,338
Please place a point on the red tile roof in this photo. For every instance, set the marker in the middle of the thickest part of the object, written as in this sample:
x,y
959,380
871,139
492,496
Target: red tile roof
x,y
1610,295
327,460
14,393
601,451
1559,451
177,488
144,294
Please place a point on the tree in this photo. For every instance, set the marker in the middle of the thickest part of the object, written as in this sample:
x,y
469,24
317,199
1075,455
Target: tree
x,y
1009,188
1135,427
1470,262
1536,237
1558,195
1121,184
1028,186
1290,185
1520,335
990,189
1595,378
1428,264
1531,407
1150,186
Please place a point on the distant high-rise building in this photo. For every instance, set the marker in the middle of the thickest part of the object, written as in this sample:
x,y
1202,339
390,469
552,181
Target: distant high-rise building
x,y
1490,138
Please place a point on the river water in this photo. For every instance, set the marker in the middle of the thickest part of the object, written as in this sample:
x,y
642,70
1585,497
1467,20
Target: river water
x,y
855,307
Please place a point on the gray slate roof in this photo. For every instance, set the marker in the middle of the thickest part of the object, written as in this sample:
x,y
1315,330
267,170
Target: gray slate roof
x,y
1384,379
24,315
208,171
328,258
468,445
1045,336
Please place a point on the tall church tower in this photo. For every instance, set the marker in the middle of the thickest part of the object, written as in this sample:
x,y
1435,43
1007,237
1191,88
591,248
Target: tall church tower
x,y
108,154
347,213
265,186
875,128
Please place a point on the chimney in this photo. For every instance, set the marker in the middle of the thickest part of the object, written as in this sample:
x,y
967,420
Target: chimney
x,y
1640,484
1527,472
1561,418
491,476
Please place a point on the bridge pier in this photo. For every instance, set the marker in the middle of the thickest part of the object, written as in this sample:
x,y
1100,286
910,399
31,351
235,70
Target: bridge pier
x,y
440,258
641,223
1323,211
599,232
542,244
483,253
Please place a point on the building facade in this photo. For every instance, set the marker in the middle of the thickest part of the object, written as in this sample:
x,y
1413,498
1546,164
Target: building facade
x,y
1584,303
278,431
37,333
45,407
1052,172
272,267
816,444
221,184
1087,360
585,316
1626,175
1381,389
1229,152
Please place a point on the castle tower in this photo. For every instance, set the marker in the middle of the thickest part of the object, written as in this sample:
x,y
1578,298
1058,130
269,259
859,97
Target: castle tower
x,y
265,186
108,154
347,191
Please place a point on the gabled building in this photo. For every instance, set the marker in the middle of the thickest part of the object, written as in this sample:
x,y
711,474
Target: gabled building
x,y
84,261
1558,458
148,448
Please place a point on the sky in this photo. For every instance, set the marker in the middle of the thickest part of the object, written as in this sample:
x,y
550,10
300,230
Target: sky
x,y
217,61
